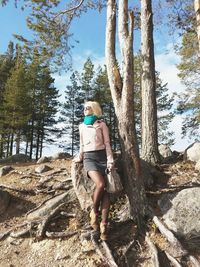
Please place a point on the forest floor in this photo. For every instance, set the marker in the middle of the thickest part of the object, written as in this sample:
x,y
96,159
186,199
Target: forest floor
x,y
127,248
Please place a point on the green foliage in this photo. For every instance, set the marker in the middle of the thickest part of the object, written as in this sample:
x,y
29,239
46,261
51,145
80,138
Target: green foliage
x,y
86,79
189,72
51,21
29,104
72,114
181,15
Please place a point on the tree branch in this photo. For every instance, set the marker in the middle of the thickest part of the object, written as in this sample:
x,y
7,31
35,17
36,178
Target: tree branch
x,y
69,10
114,76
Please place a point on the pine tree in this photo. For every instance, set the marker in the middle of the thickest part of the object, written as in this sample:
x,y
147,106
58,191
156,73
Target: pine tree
x,y
72,113
86,80
45,110
16,103
7,62
189,72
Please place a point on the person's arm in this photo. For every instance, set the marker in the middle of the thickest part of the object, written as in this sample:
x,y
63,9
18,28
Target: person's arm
x,y
79,157
106,138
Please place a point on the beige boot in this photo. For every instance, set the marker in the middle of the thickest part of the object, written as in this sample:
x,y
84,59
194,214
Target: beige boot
x,y
103,231
94,220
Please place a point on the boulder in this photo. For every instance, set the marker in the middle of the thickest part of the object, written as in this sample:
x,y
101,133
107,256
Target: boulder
x,y
83,185
165,151
5,170
42,168
181,212
61,155
15,158
43,160
193,152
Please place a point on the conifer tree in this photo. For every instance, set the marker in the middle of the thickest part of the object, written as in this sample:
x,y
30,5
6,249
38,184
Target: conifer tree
x,y
7,62
189,72
16,103
46,110
86,79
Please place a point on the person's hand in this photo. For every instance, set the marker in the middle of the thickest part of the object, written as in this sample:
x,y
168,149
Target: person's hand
x,y
110,166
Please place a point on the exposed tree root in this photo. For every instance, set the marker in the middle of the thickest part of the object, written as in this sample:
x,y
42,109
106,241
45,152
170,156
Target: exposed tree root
x,y
47,206
154,252
104,251
22,232
29,191
177,249
60,234
173,260
194,261
108,254
43,225
127,250
5,234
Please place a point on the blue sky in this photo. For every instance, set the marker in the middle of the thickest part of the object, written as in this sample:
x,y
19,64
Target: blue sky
x,y
89,30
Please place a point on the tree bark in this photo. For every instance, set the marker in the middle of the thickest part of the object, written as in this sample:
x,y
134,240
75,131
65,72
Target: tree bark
x,y
149,107
197,11
122,95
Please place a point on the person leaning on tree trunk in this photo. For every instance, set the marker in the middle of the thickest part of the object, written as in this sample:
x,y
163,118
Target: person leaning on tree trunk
x,y
96,154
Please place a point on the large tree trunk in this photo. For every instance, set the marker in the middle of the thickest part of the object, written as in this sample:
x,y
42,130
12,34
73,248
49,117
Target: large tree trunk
x,y
197,11
122,95
149,108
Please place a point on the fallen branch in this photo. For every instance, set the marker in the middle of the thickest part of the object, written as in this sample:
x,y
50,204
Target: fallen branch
x,y
178,250
154,251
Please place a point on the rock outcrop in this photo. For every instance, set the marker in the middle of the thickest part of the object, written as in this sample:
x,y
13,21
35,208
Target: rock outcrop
x,y
193,152
181,212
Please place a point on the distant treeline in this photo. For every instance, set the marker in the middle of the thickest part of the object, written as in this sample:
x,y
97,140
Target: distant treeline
x,y
30,110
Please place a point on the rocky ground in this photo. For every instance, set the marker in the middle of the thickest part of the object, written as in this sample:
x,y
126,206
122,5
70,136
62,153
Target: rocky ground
x,y
65,241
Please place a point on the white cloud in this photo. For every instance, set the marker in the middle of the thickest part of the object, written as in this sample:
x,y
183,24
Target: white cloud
x,y
166,65
180,143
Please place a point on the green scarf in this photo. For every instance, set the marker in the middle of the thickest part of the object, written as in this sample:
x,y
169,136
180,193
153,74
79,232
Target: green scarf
x,y
90,120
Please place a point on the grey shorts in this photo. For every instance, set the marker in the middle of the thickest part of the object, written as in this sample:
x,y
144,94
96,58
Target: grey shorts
x,y
95,161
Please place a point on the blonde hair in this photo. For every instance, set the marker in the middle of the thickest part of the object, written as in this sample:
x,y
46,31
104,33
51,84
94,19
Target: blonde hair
x,y
95,107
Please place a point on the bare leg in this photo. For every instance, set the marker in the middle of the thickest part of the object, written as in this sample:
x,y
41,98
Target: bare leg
x,y
99,181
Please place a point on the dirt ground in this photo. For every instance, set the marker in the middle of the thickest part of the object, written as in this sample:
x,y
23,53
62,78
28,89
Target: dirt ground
x,y
75,251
